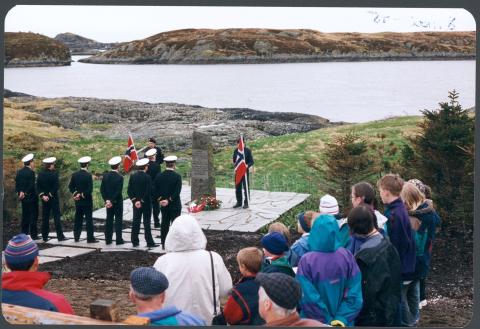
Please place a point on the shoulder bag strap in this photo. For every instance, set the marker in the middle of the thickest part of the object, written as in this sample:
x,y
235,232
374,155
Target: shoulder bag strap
x,y
213,285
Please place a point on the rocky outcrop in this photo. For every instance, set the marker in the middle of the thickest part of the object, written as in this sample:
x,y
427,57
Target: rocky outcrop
x,y
79,45
172,123
31,49
206,46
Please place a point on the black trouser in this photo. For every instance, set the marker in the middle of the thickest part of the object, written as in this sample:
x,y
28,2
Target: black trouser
x,y
156,212
115,212
422,289
168,216
53,206
146,211
82,211
238,189
29,217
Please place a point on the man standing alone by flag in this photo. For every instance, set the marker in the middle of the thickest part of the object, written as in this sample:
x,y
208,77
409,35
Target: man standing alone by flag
x,y
243,161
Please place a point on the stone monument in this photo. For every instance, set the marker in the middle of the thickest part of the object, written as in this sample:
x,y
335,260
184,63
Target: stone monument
x,y
203,175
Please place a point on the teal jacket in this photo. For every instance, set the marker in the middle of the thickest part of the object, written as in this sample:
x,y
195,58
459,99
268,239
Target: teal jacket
x,y
329,276
171,316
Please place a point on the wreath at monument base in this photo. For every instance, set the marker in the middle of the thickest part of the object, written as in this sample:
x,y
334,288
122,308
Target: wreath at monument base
x,y
204,203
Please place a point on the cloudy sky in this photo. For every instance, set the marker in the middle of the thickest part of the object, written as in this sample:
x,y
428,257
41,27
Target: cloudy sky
x,y
117,23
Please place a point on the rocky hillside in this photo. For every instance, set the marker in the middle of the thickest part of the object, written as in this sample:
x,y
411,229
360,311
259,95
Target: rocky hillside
x,y
79,45
172,123
31,49
206,46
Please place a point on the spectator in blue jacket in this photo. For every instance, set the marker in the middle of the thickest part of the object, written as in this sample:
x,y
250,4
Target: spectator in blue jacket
x,y
304,225
329,276
147,292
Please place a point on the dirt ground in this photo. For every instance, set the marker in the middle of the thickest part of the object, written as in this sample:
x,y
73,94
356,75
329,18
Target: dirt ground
x,y
105,275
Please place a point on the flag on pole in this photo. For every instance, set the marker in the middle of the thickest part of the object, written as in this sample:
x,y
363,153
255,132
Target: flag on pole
x,y
130,155
240,164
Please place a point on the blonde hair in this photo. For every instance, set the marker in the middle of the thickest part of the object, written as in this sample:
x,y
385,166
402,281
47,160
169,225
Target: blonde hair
x,y
411,196
280,228
251,258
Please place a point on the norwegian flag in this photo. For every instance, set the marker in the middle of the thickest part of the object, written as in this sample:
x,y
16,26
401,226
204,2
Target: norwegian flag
x,y
240,164
130,155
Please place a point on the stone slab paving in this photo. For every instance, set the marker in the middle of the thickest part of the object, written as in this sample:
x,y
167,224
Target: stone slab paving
x,y
62,251
265,207
47,259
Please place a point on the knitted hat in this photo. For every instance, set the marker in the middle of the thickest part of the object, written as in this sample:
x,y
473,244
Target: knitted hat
x,y
281,288
303,224
275,243
328,205
418,183
21,249
148,281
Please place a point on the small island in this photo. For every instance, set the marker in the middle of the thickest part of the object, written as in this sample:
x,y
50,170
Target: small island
x,y
32,49
80,45
242,46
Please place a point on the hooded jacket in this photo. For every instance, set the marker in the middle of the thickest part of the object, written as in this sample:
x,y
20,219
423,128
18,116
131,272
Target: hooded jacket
x,y
379,263
329,276
300,248
279,265
171,316
25,288
188,269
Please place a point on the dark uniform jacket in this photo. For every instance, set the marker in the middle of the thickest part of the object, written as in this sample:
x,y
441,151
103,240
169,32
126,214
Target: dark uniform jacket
x,y
25,182
47,183
140,187
82,183
112,186
158,156
248,156
153,169
167,186
381,282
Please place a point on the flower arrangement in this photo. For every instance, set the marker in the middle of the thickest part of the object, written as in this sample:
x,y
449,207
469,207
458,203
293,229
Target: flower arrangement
x,y
204,203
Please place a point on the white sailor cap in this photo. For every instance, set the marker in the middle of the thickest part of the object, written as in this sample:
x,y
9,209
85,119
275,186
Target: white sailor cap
x,y
86,159
49,160
115,160
170,158
28,157
151,152
141,162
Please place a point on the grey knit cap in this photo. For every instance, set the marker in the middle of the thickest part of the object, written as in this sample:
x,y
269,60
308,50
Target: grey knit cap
x,y
281,288
148,281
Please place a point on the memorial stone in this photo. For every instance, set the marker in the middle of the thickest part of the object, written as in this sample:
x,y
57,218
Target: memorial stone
x,y
203,175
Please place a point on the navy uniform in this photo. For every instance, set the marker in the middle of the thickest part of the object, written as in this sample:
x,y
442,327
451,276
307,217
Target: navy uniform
x,y
111,190
140,190
81,187
153,170
152,145
238,187
47,188
25,188
167,186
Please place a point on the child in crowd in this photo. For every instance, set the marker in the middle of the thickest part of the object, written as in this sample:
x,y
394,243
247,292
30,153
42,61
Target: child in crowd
x,y
304,224
363,192
329,276
281,228
242,304
379,263
424,220
400,233
275,247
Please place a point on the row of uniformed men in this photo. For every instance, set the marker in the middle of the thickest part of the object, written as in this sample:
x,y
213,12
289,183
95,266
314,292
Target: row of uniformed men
x,y
148,188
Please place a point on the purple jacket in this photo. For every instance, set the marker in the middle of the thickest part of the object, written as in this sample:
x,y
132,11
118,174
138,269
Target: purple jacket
x,y
401,235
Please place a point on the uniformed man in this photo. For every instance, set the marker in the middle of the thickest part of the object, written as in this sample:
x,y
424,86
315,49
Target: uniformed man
x,y
152,144
167,188
140,192
81,187
25,188
238,187
153,170
111,190
47,187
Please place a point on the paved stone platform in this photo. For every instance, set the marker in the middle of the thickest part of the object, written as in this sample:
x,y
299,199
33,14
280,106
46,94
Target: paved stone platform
x,y
265,207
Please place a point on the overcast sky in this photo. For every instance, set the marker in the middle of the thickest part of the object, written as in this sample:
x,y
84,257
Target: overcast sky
x,y
117,24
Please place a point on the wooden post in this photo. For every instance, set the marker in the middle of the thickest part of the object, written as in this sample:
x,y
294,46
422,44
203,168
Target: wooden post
x,y
104,309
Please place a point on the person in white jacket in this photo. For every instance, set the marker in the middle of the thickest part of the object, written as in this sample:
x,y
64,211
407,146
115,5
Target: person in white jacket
x,y
187,265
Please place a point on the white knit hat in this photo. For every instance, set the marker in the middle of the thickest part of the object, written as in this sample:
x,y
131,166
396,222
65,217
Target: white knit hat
x,y
328,205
